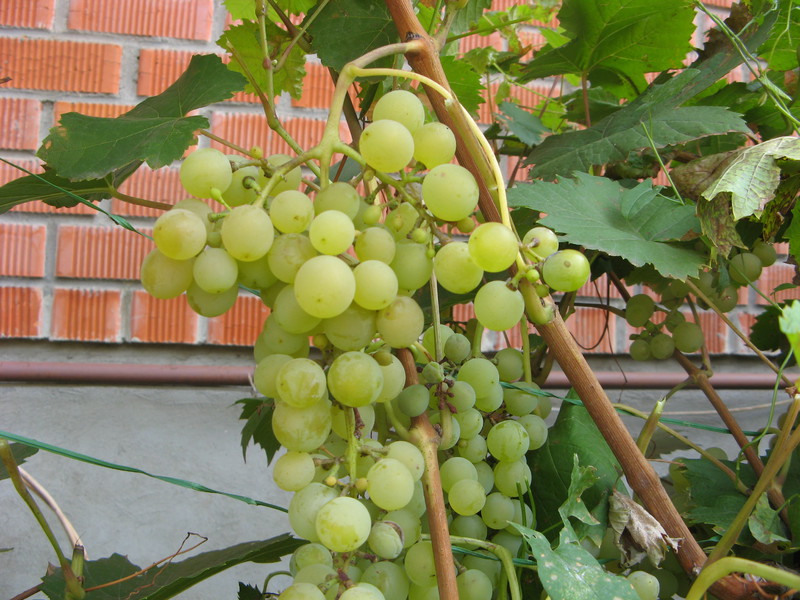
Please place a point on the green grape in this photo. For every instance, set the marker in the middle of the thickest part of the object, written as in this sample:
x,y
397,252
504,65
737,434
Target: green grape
x,y
470,526
352,329
310,554
265,375
491,568
255,274
389,578
402,220
493,247
288,253
301,429
400,324
343,524
485,475
474,449
401,106
416,505
362,591
450,192
390,484
507,475
419,564
368,216
497,511
386,146
428,339
215,270
247,233
566,270
508,441
179,234
726,300
673,319
376,284
291,211
203,170
305,505
509,364
211,305
640,350
413,401
293,471
540,242
324,286
662,346
288,181
355,379
498,307
481,374
520,402
331,232
463,395
428,592
688,337
273,339
386,539
457,348
290,315
375,243
455,469
491,401
163,277
408,454
408,522
466,497
434,144
301,383
238,193
765,252
470,422
301,591
745,268
412,265
645,584
455,269
394,375
322,576
198,207
639,309
339,420
536,428
433,372
474,585
339,196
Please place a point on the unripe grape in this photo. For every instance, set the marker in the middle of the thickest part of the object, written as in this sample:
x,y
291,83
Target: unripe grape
x,y
640,350
688,337
455,269
179,234
765,252
540,242
662,346
324,286
745,268
291,211
210,305
215,270
238,193
498,307
566,270
343,524
434,144
247,233
493,247
339,196
375,243
331,232
639,309
163,277
645,584
355,379
401,106
203,170
450,192
288,181
400,324
386,145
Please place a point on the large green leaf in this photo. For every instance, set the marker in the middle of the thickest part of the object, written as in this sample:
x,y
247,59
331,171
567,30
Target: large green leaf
x,y
464,81
637,224
155,131
619,38
162,582
31,188
780,50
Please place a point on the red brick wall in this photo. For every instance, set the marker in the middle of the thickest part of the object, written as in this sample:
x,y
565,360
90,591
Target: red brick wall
x,y
71,274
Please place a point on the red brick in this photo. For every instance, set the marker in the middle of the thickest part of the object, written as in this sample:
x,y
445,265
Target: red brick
x,y
33,14
161,185
241,325
61,66
22,250
772,277
86,315
91,109
20,312
158,69
162,321
19,123
187,19
100,252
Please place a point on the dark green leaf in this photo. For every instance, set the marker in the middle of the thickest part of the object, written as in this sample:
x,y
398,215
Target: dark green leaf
x,y
522,123
765,523
766,334
249,592
793,233
31,188
581,479
716,221
637,224
780,50
469,15
21,452
155,131
464,81
257,412
346,29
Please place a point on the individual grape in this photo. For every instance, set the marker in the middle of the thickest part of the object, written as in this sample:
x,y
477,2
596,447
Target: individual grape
x,y
355,379
491,401
408,454
509,364
537,430
745,268
493,247
413,401
645,584
673,319
566,270
247,233
726,300
455,269
485,475
301,591
376,284
375,243
401,106
211,305
305,505
386,539
540,242
474,449
640,350
301,383
386,146
408,522
428,338
362,591
470,422
416,592
322,576
469,526
434,144
238,193
481,374
203,170
466,497
255,274
310,554
455,431
402,220
368,215
390,484
290,315
508,441
215,271
266,373
293,471
450,192
508,475
520,402
331,232
198,207
324,286
301,429
662,346
352,329
179,234
416,506
343,524
394,375
457,348
288,253
339,420
163,277
639,309
389,578
339,196
509,538
400,324
765,252
432,372
498,307
291,211
412,265
497,511
474,585
273,339
688,337
455,469
288,181
419,564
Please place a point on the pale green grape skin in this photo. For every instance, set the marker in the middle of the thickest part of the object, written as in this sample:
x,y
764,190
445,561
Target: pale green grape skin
x,y
662,346
463,395
179,234
471,526
290,315
765,252
412,265
288,181
413,401
293,471
301,591
474,449
362,591
256,274
745,268
386,539
540,242
455,269
394,375
457,348
305,505
247,233
319,575
301,383
493,247
401,106
339,420
343,524
508,474
566,270
198,207
324,286
273,339
537,430
645,584
490,401
386,145
211,305
640,350
376,285
408,454
375,243
163,277
519,402
215,270
310,554
434,144
485,475
302,429
467,497
266,373
450,192
400,324
498,307
470,422
455,469
481,374
688,337
408,522
509,364
474,585
291,211
497,511
639,309
390,484
237,194
428,592
352,329
388,577
288,253
355,379
673,319
508,441
419,564
331,232
402,220
203,170
339,196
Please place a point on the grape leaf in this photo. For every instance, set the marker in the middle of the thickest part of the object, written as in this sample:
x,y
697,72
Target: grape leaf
x,y
241,9
155,131
623,38
469,15
249,592
31,188
464,81
346,29
20,452
637,224
522,123
258,414
780,50
244,39
753,175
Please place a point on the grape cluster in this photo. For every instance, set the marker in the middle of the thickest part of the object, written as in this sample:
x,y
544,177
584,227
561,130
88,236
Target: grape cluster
x,y
340,271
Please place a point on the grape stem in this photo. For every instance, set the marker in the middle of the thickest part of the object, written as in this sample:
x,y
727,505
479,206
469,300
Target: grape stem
x,y
730,564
